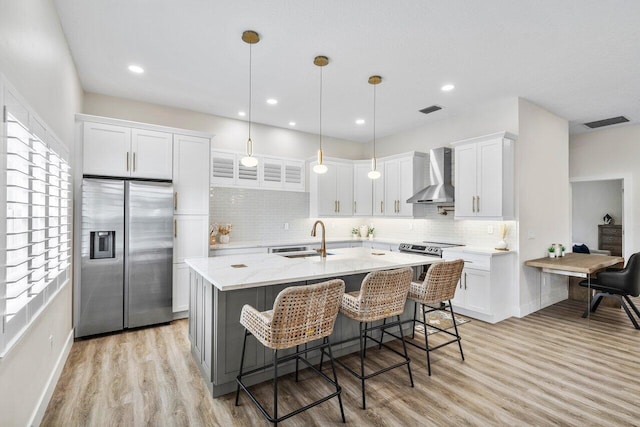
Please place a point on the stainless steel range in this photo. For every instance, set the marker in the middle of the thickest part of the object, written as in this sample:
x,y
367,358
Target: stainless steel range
x,y
426,248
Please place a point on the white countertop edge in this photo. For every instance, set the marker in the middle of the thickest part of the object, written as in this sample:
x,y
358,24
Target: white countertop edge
x,y
477,250
310,241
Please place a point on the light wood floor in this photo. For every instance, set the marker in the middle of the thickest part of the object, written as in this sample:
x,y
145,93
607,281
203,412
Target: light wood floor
x,y
548,368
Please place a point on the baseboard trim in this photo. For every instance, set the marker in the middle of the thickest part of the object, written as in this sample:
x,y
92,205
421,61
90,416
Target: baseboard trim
x,y
43,402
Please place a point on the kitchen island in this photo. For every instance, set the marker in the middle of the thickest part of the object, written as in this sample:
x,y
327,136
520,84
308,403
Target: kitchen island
x,y
220,286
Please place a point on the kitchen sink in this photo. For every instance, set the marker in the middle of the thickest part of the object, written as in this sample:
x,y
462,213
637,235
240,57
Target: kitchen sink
x,y
303,255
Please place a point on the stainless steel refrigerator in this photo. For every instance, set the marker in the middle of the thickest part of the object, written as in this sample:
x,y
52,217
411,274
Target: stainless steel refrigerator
x,y
127,255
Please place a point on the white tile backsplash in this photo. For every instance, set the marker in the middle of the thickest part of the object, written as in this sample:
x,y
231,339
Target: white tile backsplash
x,y
261,215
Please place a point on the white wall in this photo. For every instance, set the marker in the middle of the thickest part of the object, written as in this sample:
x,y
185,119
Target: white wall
x,y
592,200
35,58
609,154
230,134
497,116
542,200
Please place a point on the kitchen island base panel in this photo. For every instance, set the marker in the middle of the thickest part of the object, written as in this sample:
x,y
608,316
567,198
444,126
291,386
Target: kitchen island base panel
x,y
216,334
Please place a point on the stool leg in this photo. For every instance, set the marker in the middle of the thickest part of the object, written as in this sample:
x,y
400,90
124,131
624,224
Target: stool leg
x,y
275,386
244,345
335,378
364,352
415,314
364,403
426,337
321,359
456,329
404,346
384,322
297,357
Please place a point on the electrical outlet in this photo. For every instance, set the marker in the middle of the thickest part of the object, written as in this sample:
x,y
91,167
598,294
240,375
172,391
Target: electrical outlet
x,y
286,225
490,229
531,235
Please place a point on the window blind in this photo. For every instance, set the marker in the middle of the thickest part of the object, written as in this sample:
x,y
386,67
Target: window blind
x,y
37,222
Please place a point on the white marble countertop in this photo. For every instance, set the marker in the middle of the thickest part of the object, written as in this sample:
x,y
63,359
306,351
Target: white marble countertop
x,y
480,250
303,241
272,269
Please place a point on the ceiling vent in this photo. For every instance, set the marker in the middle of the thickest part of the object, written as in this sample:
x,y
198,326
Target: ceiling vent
x,y
431,109
606,122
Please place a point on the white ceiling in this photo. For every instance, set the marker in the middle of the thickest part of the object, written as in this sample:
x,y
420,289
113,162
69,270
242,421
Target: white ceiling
x,y
576,58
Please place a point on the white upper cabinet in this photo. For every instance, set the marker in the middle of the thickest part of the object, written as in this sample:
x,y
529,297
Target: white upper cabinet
x,y
362,189
191,174
403,175
332,192
484,177
106,150
274,173
111,150
151,154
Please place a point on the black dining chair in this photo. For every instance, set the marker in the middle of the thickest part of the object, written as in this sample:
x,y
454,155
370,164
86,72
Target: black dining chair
x,y
619,284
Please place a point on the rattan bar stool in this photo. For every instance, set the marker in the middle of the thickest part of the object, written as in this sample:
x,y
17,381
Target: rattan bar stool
x,y
383,295
435,294
300,314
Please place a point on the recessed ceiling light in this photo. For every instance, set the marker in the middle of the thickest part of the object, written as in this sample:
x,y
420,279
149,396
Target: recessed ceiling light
x,y
136,69
447,88
360,121
272,101
292,123
242,113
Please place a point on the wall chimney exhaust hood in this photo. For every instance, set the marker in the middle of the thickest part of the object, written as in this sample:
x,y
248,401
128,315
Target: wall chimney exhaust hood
x,y
440,190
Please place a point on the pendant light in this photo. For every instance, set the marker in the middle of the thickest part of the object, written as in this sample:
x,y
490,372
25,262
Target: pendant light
x,y
374,173
250,37
320,61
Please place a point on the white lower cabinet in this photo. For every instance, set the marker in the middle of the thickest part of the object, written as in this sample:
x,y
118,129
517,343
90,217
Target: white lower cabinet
x,y
486,290
190,240
180,287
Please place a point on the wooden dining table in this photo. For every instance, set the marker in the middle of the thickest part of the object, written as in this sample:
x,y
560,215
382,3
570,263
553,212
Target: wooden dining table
x,y
576,265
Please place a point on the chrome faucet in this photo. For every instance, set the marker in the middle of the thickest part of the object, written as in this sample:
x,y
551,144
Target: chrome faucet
x,y
323,247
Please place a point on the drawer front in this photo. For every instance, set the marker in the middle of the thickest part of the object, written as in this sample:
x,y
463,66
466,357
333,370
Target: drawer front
x,y
611,231
610,240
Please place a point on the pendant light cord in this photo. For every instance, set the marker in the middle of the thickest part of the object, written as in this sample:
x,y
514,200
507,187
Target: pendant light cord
x,y
321,108
374,122
250,63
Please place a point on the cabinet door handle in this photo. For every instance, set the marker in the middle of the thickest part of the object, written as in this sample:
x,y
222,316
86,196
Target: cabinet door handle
x,y
381,207
355,206
473,204
460,283
175,228
338,206
335,206
478,203
465,281
175,201
134,161
127,161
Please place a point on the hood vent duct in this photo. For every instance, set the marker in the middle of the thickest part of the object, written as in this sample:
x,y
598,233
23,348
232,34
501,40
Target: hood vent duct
x,y
441,190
